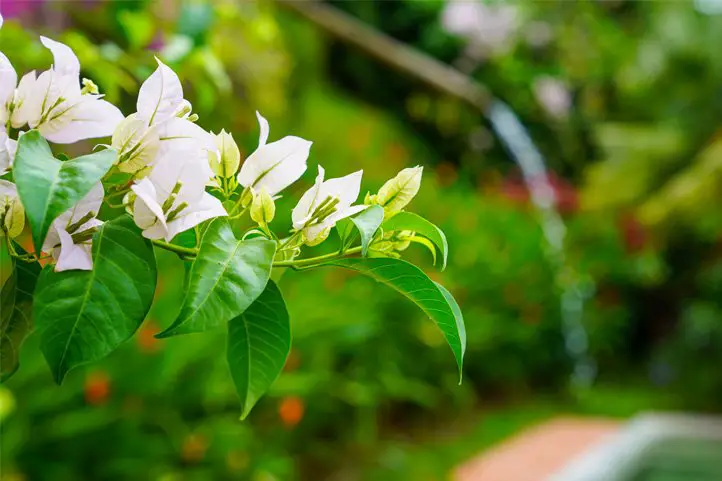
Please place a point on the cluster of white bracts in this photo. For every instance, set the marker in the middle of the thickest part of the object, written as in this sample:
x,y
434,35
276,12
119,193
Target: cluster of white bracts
x,y
171,159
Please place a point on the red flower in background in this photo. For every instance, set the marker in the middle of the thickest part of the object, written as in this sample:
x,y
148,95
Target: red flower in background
x,y
567,198
146,339
291,411
633,232
97,388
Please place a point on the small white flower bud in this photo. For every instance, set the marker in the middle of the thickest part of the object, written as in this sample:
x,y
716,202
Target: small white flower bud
x,y
396,193
263,209
226,161
12,213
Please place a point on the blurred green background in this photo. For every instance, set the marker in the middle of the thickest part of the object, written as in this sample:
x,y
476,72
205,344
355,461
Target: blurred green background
x,y
623,98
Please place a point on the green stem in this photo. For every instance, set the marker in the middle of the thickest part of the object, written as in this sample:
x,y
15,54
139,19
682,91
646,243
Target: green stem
x,y
315,260
240,214
181,251
289,240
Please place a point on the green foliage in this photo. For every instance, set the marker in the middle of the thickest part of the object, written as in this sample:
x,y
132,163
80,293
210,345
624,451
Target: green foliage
x,y
367,223
259,341
83,316
16,321
225,279
638,146
411,281
419,225
48,186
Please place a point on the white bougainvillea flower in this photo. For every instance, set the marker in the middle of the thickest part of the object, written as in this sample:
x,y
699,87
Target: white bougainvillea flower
x,y
70,238
172,199
274,166
12,213
8,147
54,103
136,144
161,125
326,203
8,82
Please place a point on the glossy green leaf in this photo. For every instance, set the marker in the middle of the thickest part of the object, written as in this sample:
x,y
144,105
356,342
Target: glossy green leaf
x,y
48,186
411,281
367,222
259,341
416,223
226,277
426,243
18,324
82,316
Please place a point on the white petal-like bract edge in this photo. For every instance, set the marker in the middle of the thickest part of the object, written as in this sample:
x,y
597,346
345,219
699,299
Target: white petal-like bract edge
x,y
303,210
265,129
207,208
65,62
8,82
161,95
275,166
91,118
73,256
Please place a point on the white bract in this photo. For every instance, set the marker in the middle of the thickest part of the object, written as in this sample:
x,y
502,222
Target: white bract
x,y
326,203
172,199
160,125
8,82
8,147
54,104
274,166
70,238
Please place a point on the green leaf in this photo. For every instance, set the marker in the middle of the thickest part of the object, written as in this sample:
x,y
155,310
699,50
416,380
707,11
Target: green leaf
x,y
82,316
47,186
259,341
411,281
426,243
226,277
19,324
367,222
416,223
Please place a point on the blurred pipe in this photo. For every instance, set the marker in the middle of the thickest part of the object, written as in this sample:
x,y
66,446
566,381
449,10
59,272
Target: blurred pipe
x,y
392,52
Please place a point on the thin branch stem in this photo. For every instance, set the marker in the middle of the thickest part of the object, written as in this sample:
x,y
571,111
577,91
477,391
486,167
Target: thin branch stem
x,y
312,261
180,250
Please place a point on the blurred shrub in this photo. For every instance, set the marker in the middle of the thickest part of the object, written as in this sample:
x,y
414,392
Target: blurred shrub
x,y
166,411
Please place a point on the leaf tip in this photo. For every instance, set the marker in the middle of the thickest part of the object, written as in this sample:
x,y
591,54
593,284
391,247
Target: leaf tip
x,y
165,334
59,375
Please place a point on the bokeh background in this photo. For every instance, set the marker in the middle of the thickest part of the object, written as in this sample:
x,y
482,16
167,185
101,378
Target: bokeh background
x,y
624,100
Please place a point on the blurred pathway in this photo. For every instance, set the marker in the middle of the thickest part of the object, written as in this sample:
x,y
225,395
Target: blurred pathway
x,y
538,452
